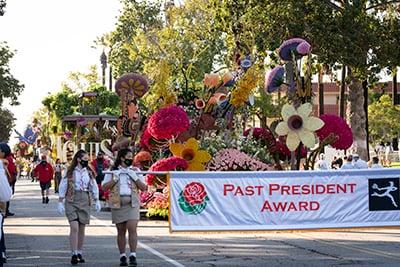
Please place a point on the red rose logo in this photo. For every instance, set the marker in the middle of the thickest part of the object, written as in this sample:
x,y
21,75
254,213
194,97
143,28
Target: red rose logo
x,y
194,193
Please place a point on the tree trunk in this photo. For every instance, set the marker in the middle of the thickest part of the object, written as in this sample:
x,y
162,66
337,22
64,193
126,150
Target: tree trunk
x,y
356,115
320,92
342,90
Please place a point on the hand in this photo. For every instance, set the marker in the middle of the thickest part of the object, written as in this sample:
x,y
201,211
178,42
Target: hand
x,y
132,174
116,177
97,206
60,208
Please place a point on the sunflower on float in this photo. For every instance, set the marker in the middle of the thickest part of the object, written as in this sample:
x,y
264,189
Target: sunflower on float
x,y
190,152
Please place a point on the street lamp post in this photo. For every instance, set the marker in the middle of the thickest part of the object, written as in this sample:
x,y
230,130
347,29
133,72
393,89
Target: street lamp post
x,y
2,6
103,61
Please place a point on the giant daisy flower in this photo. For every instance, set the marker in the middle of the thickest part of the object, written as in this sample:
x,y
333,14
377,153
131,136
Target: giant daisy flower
x,y
298,125
190,152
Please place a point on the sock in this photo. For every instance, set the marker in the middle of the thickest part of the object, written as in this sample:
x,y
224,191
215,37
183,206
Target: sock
x,y
73,252
79,252
133,254
122,255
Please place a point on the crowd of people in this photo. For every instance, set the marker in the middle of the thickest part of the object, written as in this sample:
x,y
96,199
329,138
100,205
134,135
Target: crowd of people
x,y
348,162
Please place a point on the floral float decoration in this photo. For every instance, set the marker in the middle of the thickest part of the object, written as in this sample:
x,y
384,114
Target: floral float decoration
x,y
298,126
235,160
129,87
165,165
190,152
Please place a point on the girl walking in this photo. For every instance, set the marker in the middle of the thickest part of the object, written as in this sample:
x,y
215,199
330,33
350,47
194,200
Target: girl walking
x,y
124,187
79,189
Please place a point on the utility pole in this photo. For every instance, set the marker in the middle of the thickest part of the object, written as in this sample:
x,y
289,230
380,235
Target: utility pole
x,y
342,90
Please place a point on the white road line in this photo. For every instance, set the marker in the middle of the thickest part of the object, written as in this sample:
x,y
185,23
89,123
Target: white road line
x,y
144,246
23,258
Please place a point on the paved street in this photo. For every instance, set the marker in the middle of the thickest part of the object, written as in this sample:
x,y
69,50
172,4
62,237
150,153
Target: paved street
x,y
38,236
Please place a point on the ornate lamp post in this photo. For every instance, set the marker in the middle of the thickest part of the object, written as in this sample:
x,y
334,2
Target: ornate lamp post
x,y
103,61
2,6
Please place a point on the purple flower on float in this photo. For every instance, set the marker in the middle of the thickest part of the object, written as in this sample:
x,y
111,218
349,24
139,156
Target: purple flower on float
x,y
303,48
245,63
292,45
274,79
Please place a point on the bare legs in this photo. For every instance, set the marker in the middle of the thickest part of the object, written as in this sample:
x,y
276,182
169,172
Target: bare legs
x,y
76,235
131,226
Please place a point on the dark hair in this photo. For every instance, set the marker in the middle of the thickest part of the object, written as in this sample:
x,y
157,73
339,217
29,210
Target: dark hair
x,y
375,160
121,153
58,161
74,162
5,148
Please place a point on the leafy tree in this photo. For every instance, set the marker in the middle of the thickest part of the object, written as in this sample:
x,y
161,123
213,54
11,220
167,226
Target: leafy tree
x,y
6,124
9,86
384,116
149,35
357,34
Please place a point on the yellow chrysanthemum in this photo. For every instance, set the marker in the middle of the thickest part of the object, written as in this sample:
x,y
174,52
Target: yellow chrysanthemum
x,y
298,125
190,152
244,88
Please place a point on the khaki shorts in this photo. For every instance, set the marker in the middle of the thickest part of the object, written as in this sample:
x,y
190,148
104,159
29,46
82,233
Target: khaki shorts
x,y
79,209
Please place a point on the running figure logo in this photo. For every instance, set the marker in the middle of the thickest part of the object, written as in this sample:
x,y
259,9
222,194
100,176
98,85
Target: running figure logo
x,y
384,194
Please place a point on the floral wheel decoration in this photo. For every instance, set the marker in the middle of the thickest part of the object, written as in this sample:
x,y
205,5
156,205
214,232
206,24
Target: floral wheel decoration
x,y
134,84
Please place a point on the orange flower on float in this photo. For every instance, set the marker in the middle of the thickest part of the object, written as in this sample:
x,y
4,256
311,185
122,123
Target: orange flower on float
x,y
199,103
142,157
217,98
190,152
211,80
227,77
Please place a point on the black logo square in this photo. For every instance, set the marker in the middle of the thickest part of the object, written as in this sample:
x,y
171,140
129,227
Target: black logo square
x,y
384,194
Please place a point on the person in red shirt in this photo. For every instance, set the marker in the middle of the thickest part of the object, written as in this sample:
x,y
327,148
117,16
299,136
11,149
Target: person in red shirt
x,y
44,171
12,170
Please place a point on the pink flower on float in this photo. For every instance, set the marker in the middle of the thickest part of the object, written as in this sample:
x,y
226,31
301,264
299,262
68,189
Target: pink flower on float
x,y
339,128
168,122
235,160
167,164
145,140
303,48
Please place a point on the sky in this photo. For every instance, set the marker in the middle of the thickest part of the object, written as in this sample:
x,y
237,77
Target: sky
x,y
52,38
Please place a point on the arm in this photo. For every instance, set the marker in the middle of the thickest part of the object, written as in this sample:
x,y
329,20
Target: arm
x,y
62,189
108,182
141,185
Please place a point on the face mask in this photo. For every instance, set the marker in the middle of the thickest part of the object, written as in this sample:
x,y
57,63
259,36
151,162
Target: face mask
x,y
84,163
128,162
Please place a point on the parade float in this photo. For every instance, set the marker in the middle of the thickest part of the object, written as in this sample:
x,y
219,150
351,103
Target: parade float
x,y
211,131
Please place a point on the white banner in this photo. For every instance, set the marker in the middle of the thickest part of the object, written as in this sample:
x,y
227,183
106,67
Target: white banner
x,y
204,201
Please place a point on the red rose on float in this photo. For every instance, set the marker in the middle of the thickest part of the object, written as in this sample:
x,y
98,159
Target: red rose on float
x,y
194,193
